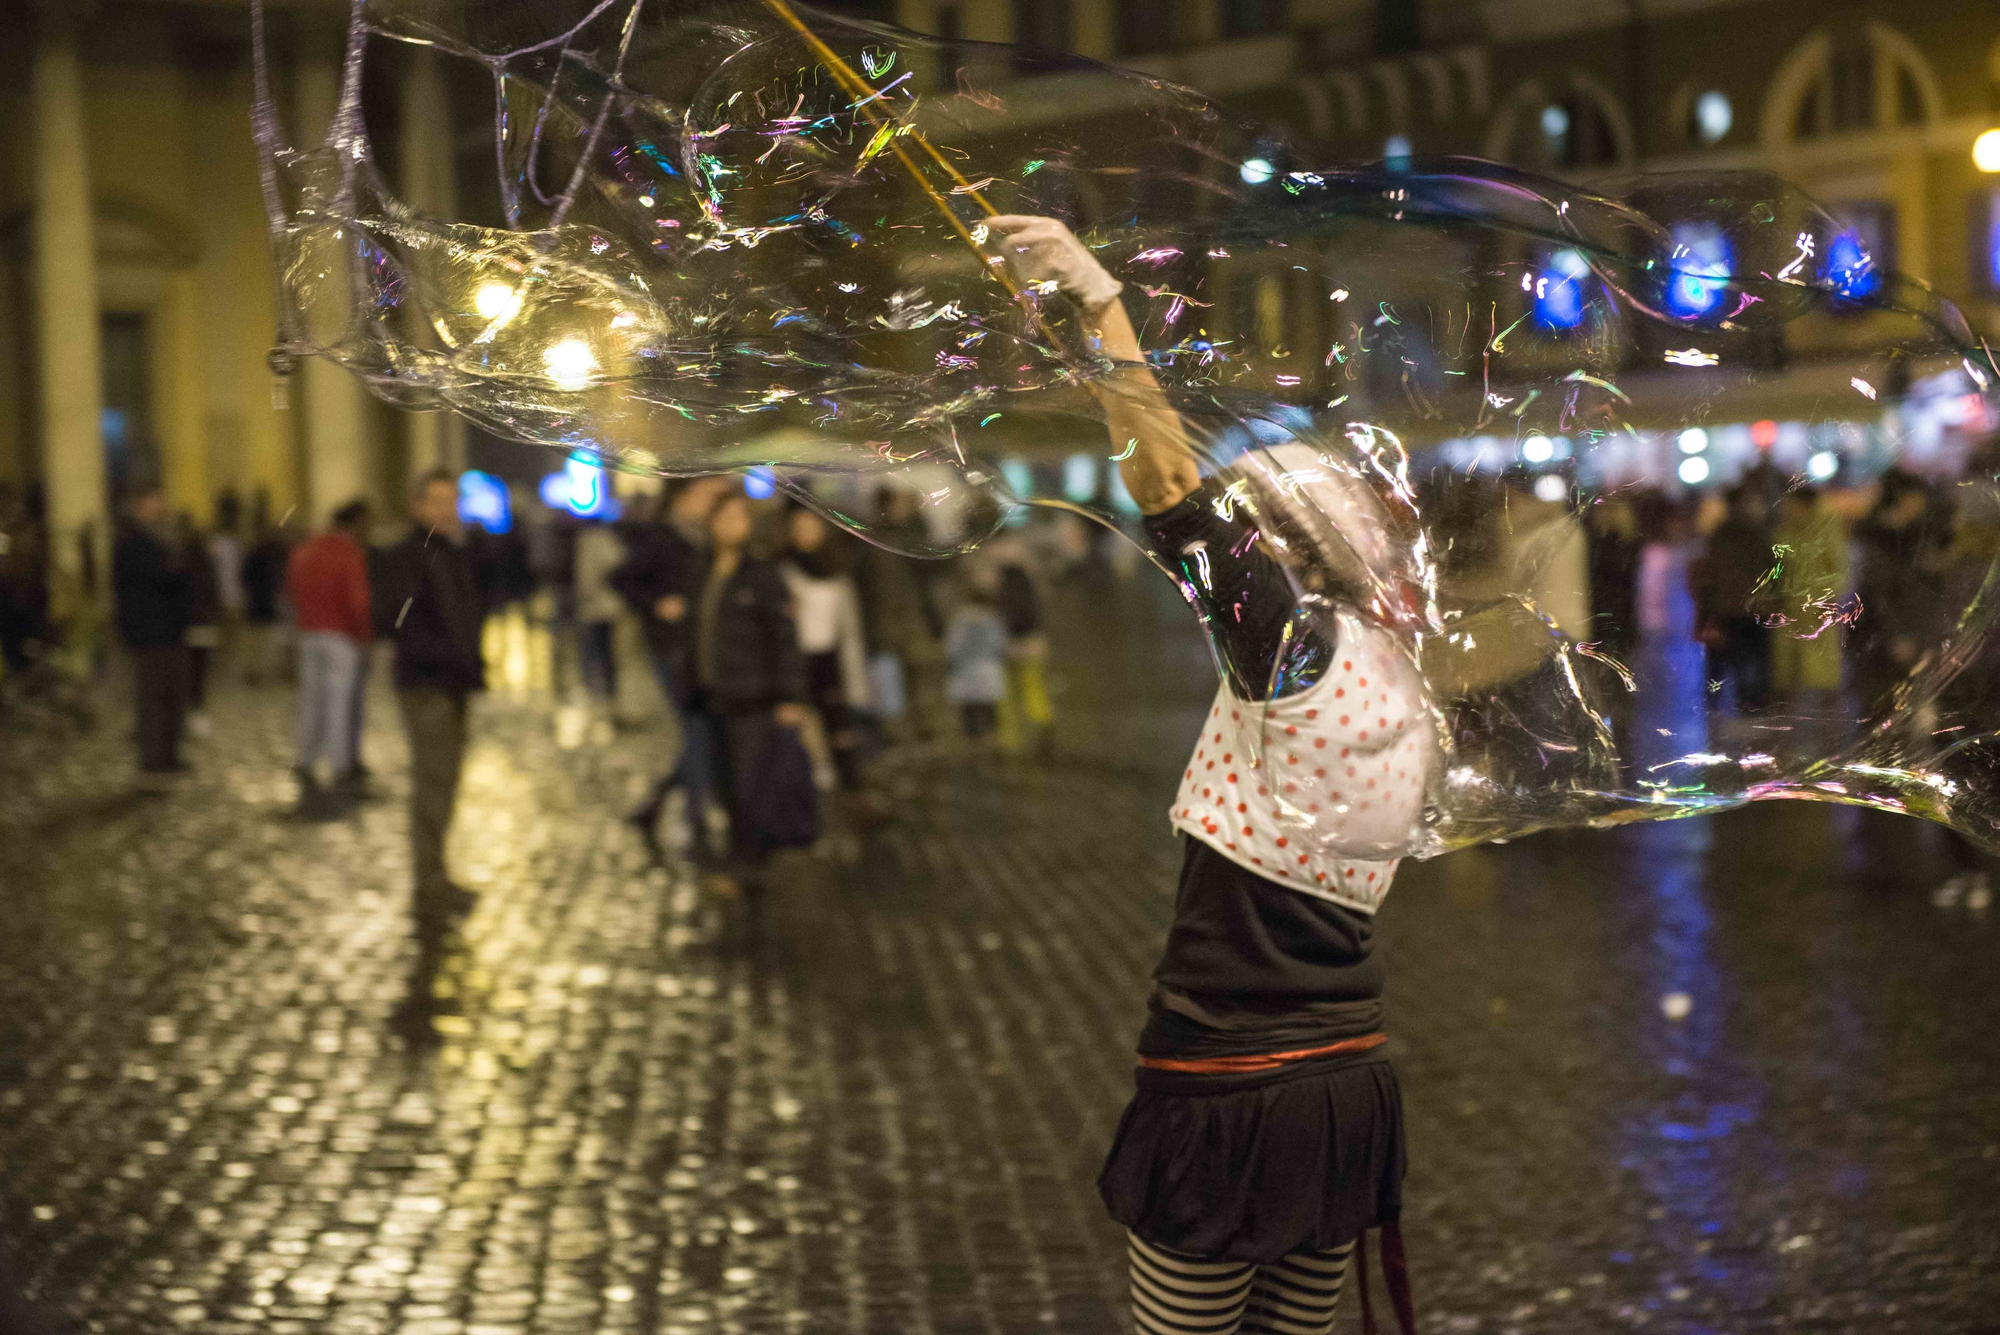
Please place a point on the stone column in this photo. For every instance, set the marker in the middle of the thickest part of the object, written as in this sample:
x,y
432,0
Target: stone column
x,y
430,186
68,360
337,418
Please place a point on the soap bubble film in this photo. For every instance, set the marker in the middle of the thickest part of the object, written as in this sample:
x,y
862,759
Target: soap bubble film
x,y
1427,394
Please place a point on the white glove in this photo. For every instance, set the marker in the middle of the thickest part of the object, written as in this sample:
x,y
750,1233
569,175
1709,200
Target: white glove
x,y
1042,250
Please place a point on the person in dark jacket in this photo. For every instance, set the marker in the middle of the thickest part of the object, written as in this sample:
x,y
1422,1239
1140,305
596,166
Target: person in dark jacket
x,y
1727,577
661,579
749,675
428,599
154,588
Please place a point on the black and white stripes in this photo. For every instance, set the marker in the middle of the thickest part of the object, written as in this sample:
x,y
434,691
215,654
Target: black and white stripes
x,y
1185,1295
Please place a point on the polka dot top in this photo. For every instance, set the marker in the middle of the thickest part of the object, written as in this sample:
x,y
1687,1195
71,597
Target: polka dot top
x,y
1321,790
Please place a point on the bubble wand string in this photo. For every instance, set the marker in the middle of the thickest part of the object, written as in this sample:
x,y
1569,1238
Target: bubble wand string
x,y
859,88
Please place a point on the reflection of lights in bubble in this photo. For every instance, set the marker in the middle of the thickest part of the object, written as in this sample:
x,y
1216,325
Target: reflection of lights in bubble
x,y
1700,266
1693,470
1256,171
1079,482
1713,116
1849,269
1559,291
1986,151
1822,465
580,489
1396,152
1693,440
1555,120
760,484
483,500
1538,449
497,301
570,363
1551,487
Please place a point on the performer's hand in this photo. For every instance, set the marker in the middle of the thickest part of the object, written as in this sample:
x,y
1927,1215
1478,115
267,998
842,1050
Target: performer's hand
x,y
1042,250
790,715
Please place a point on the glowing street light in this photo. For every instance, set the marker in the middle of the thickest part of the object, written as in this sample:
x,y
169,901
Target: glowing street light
x,y
570,363
1986,151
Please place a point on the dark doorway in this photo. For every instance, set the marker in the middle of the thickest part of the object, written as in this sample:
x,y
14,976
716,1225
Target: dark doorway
x,y
131,451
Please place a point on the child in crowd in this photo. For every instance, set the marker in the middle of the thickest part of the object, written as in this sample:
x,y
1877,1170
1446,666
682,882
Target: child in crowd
x,y
975,652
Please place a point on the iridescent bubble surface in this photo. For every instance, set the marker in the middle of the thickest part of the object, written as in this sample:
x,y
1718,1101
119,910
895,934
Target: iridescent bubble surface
x,y
1482,423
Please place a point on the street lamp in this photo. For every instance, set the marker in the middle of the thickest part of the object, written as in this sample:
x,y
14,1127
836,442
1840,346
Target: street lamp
x,y
1986,151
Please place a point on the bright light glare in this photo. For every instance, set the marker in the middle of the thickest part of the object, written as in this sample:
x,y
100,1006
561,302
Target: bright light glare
x,y
1396,152
1694,470
1550,487
1986,151
1694,440
1256,171
1822,465
1555,121
1713,116
496,301
570,363
1080,478
1699,267
1538,449
760,484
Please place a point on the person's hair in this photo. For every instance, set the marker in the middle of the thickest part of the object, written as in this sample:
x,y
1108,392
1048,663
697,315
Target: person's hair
x,y
141,491
421,483
351,515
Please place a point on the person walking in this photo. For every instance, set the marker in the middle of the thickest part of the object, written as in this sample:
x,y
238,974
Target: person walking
x,y
204,632
328,583
1808,594
827,608
660,580
154,589
599,552
975,654
1027,718
750,677
1266,1133
264,565
429,600
1732,569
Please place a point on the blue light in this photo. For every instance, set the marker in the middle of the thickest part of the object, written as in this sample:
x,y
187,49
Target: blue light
x,y
1849,269
1700,267
112,423
580,489
760,484
1993,241
1559,290
483,501
1396,153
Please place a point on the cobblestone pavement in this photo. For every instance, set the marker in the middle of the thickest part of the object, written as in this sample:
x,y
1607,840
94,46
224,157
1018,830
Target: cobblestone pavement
x,y
875,1100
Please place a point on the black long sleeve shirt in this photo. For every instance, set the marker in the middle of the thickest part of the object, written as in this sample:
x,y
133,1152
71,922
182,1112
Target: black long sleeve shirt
x,y
1238,941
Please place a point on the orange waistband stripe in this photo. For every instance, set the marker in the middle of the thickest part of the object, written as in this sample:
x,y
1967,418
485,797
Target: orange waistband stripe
x,y
1260,1061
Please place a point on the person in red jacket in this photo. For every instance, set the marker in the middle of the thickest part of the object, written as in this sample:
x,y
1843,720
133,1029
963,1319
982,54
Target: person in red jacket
x,y
328,583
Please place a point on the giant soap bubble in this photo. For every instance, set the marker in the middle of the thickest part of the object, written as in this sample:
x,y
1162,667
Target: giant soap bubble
x,y
1428,393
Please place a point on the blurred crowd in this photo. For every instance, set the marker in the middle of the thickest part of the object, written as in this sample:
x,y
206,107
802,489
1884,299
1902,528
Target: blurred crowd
x,y
753,623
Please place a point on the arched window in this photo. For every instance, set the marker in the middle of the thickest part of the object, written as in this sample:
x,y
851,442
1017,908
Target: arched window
x,y
1578,126
1874,79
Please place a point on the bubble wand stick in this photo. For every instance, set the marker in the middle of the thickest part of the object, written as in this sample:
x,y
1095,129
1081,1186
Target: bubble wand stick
x,y
864,94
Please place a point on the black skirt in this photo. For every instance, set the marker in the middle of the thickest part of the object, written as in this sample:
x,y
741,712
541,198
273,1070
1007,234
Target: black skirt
x,y
1252,1168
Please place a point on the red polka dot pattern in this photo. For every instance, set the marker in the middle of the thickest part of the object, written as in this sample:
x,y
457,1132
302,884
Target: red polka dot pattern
x,y
1289,825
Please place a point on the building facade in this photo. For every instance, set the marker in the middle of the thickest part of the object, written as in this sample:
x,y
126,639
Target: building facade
x,y
136,303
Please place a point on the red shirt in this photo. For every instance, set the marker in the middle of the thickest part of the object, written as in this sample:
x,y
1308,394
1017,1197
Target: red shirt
x,y
328,582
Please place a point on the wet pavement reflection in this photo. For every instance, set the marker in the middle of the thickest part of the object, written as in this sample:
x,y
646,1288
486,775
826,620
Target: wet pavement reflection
x,y
1714,1076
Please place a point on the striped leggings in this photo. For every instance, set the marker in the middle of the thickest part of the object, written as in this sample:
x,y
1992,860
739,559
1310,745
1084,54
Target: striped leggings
x,y
1174,1294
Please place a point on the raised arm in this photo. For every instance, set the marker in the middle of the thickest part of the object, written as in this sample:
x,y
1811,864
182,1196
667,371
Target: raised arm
x,y
1155,457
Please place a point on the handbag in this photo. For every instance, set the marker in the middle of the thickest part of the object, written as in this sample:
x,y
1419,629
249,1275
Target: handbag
x,y
780,804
